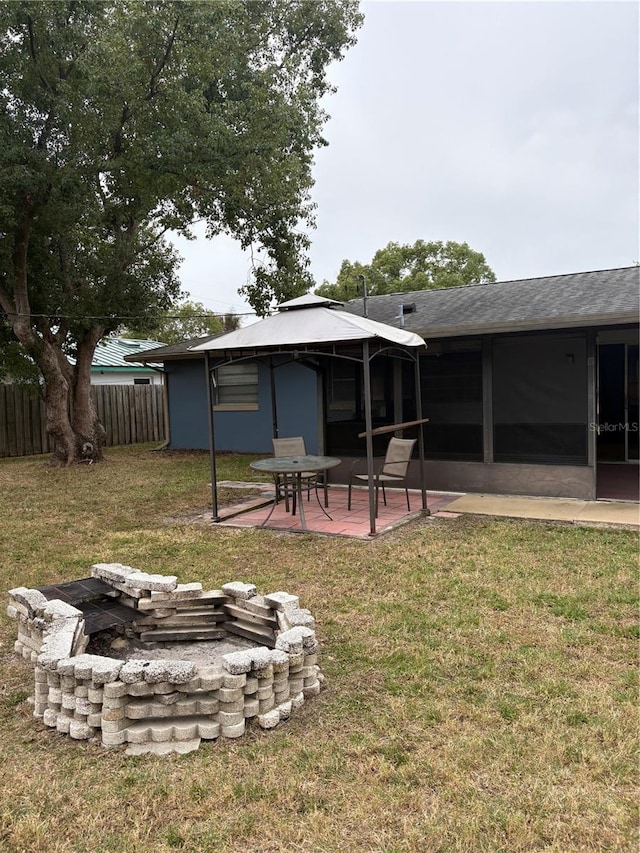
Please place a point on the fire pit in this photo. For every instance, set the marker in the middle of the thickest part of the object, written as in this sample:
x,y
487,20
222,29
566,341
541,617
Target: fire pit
x,y
141,660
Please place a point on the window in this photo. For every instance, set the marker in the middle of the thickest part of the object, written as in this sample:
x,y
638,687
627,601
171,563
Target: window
x,y
141,381
237,387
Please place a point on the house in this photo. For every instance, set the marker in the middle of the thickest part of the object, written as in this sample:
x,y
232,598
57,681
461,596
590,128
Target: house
x,y
110,368
530,387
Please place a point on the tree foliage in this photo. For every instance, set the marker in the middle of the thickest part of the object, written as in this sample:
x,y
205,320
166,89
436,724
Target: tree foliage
x,y
401,268
15,366
120,122
183,322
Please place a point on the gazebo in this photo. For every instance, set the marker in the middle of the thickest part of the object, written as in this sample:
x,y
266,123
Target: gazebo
x,y
307,329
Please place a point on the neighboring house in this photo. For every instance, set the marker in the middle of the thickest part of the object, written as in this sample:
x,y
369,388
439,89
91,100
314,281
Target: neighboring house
x,y
530,387
110,368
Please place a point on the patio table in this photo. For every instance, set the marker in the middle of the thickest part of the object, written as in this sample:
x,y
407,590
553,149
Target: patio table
x,y
295,466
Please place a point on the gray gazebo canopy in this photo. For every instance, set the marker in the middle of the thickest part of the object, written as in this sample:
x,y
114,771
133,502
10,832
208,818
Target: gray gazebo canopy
x,y
309,327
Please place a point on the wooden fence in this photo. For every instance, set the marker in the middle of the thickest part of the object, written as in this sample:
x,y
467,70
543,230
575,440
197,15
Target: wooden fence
x,y
129,413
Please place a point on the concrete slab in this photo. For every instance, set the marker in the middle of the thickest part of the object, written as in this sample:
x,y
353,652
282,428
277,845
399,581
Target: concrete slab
x,y
549,509
558,509
610,512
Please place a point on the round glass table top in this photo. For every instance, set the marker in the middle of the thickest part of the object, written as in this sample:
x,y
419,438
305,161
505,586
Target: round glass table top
x,y
293,464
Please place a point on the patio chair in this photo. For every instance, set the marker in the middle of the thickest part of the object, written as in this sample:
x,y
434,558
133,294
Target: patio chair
x,y
285,484
393,469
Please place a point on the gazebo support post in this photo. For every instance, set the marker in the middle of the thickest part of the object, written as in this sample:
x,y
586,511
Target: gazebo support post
x,y
366,365
212,442
418,392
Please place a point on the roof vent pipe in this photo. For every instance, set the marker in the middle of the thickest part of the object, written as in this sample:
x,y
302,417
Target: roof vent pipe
x,y
405,308
364,295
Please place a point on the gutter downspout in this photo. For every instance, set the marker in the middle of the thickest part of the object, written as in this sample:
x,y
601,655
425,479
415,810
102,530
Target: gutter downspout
x,y
165,407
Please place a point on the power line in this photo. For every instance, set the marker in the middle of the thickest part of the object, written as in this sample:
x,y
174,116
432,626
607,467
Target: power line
x,y
121,317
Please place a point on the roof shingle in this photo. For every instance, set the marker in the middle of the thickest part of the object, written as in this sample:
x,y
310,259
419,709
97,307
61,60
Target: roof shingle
x,y
603,297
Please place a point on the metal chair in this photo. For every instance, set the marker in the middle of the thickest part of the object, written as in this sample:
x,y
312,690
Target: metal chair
x,y
393,469
285,484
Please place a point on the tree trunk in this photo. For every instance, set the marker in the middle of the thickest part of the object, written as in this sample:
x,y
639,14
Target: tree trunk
x,y
71,415
89,433
72,420
56,404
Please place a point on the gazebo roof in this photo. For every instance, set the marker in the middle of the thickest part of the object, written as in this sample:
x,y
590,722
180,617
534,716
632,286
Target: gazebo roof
x,y
308,320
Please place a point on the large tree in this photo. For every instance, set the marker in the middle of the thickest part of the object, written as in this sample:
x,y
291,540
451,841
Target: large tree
x,y
122,121
399,268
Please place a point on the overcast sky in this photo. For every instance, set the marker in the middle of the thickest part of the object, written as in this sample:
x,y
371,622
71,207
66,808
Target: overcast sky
x,y
512,126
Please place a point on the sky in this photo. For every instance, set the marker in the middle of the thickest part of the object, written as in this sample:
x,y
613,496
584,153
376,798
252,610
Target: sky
x,y
511,126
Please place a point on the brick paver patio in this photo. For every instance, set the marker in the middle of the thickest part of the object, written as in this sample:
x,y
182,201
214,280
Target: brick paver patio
x,y
343,522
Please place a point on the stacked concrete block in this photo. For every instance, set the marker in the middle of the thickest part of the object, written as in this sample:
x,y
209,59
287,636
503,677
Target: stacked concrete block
x,y
249,615
76,694
159,701
144,702
26,606
273,683
301,644
169,611
47,632
185,614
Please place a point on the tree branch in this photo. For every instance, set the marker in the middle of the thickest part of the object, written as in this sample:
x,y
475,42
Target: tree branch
x,y
163,61
125,115
33,52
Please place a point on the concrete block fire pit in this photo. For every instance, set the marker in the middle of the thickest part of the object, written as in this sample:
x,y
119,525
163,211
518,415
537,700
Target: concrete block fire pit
x,y
140,660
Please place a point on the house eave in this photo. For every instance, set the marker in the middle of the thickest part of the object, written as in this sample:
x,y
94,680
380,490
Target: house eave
x,y
544,324
103,368
179,356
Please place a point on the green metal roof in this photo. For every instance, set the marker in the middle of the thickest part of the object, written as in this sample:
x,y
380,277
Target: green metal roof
x,y
110,354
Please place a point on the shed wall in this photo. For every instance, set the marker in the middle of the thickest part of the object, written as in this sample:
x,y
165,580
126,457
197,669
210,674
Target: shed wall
x,y
238,431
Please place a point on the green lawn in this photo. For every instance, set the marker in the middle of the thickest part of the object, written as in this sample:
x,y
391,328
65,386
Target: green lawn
x,y
481,681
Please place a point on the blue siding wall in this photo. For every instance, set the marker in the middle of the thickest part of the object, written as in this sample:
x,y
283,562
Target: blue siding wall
x,y
297,403
241,432
187,398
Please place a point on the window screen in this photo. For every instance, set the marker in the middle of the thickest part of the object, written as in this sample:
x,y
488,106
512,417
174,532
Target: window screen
x,y
345,405
343,391
540,399
451,378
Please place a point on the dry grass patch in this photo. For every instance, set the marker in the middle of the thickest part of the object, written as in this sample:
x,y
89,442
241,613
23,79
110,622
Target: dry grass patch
x,y
482,682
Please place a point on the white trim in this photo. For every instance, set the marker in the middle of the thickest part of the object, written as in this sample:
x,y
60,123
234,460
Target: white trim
x,y
235,407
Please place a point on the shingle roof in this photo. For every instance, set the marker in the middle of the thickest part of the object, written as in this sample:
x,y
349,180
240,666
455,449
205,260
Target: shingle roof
x,y
166,352
602,297
112,352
